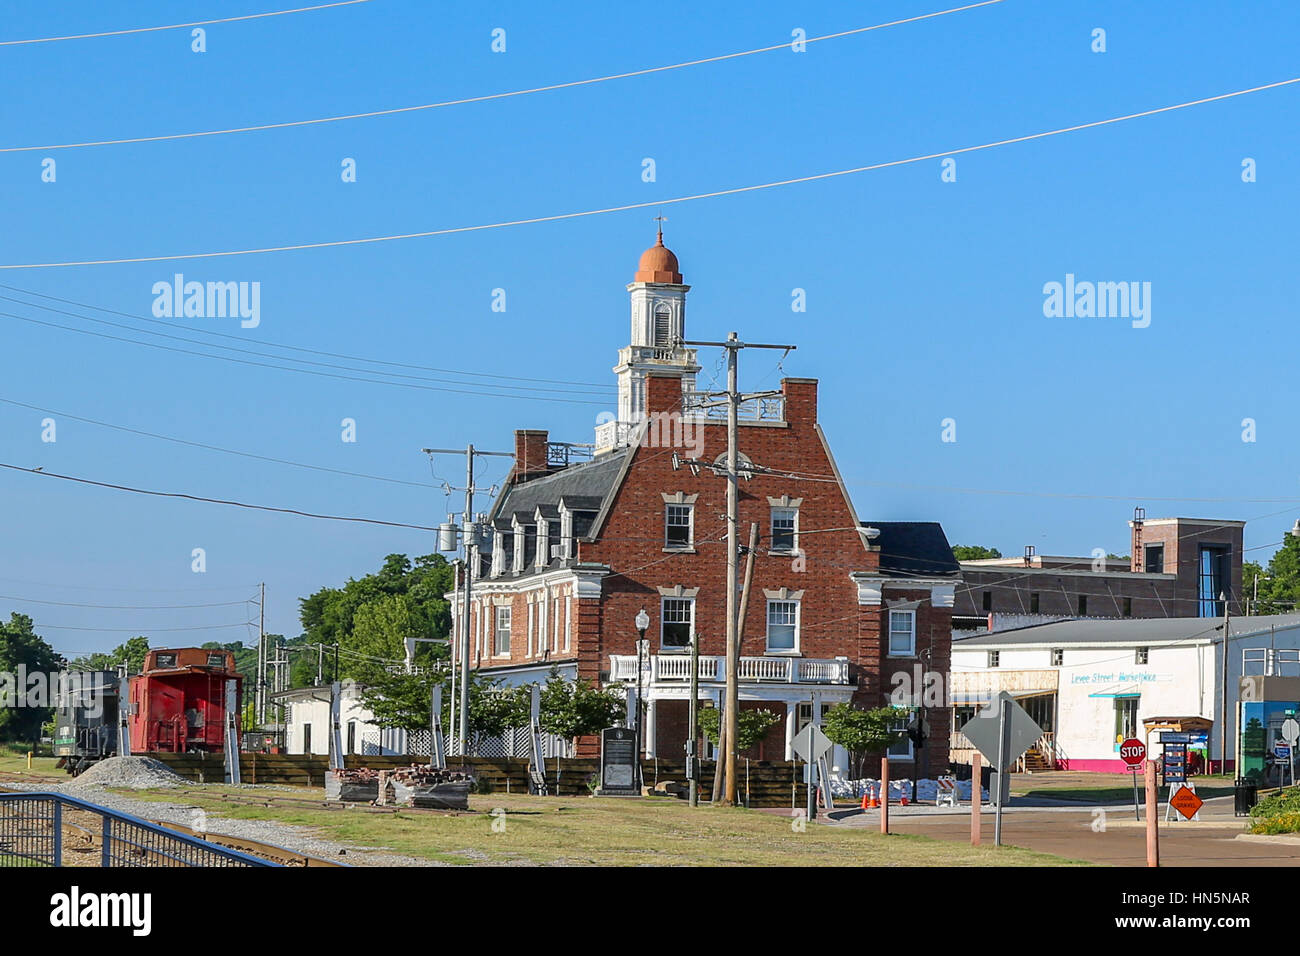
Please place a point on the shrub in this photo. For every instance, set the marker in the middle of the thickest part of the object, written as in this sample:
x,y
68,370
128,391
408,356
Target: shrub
x,y
1287,822
1275,804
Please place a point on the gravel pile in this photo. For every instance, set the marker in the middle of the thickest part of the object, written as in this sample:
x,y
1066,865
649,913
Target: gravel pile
x,y
130,773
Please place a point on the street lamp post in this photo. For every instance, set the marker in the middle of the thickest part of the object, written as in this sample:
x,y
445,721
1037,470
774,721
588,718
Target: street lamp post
x,y
642,650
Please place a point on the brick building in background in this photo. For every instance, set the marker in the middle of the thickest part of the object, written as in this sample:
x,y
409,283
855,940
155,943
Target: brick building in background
x,y
1177,567
837,608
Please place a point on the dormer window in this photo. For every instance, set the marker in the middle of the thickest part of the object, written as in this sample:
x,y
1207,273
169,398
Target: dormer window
x,y
542,525
498,547
503,556
566,534
519,549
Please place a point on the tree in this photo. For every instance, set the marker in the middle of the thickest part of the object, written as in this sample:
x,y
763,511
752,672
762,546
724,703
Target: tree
x,y
751,726
371,616
132,654
403,701
1279,583
865,733
20,647
974,552
575,708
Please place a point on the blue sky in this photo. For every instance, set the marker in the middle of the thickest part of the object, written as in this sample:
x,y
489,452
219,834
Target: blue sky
x,y
924,297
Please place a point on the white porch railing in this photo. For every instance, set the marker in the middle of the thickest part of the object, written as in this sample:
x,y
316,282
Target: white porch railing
x,y
712,669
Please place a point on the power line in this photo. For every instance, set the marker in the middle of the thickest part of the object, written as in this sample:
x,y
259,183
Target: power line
x,y
297,348
228,451
93,587
181,26
303,371
121,607
215,501
138,630
281,358
784,45
737,190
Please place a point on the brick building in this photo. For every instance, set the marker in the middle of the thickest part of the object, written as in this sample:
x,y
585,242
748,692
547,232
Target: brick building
x,y
838,610
1177,567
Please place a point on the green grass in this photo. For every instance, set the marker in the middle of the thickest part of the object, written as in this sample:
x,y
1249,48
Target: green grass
x,y
42,767
613,832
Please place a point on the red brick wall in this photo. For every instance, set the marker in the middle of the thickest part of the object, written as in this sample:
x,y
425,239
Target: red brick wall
x,y
632,538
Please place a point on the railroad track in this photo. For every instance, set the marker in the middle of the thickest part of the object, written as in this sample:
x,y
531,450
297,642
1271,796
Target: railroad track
x,y
83,840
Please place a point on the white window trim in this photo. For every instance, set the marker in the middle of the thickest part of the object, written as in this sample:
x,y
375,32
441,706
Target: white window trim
x,y
798,629
889,636
543,557
497,552
690,526
566,534
994,658
496,628
517,559
663,621
529,642
771,521
568,619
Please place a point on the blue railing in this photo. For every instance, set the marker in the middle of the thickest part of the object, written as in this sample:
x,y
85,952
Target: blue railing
x,y
31,834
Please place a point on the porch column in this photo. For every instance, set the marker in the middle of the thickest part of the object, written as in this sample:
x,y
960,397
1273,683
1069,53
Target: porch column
x,y
791,720
651,706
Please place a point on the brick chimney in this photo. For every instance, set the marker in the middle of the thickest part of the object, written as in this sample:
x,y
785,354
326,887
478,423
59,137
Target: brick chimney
x,y
530,453
800,399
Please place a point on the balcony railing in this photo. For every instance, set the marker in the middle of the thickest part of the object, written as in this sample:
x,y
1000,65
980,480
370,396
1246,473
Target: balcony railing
x,y
613,435
675,668
768,409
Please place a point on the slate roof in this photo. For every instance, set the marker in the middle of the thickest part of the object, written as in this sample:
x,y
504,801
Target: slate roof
x,y
914,549
590,482
1131,631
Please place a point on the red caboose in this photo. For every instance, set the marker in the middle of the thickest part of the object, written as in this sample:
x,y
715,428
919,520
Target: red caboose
x,y
178,702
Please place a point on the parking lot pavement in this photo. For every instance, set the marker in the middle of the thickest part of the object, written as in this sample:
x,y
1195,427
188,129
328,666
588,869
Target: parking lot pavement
x,y
1107,835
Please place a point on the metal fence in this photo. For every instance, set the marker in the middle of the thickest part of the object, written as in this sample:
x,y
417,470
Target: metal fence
x,y
31,834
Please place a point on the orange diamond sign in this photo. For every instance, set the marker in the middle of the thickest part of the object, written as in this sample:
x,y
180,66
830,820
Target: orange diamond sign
x,y
1186,802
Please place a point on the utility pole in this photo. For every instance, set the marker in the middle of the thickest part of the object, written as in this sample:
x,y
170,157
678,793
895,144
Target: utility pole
x,y
455,649
692,759
259,695
1223,693
469,542
733,345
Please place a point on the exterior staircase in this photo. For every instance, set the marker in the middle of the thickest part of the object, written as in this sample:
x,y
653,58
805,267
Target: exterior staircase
x,y
1034,761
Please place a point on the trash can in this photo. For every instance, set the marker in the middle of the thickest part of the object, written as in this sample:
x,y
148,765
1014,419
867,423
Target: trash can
x,y
1244,795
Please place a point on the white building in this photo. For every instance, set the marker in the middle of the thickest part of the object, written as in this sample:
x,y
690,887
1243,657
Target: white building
x,y
307,724
1091,683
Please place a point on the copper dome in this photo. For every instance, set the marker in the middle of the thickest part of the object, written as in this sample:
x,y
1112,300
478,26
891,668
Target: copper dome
x,y
658,264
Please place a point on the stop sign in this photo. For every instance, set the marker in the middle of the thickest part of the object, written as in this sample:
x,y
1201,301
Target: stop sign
x,y
1133,751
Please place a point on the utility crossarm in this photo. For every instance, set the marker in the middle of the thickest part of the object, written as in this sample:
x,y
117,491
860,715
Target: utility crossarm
x,y
747,396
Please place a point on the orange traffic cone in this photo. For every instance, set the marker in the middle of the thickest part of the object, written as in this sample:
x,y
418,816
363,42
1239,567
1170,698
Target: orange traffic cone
x,y
866,805
871,789
902,800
